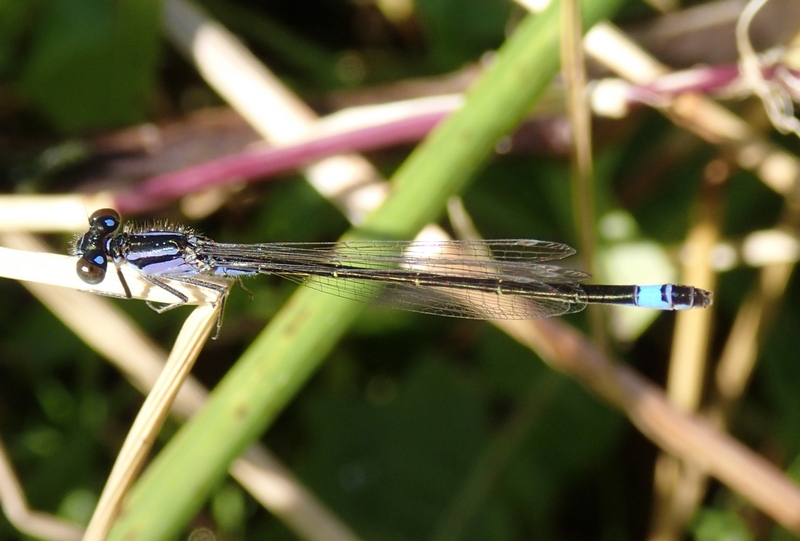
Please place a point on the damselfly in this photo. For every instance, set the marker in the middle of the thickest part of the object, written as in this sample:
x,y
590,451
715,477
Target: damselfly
x,y
486,279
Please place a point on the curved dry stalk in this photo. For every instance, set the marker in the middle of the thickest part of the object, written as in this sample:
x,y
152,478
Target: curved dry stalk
x,y
22,517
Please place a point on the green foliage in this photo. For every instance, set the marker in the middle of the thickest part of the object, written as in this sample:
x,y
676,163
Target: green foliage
x,y
394,463
15,22
720,525
92,62
228,509
458,31
371,459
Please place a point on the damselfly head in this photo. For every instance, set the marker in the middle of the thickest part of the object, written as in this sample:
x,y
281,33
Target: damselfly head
x,y
91,246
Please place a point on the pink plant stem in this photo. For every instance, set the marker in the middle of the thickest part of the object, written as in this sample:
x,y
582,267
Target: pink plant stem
x,y
252,165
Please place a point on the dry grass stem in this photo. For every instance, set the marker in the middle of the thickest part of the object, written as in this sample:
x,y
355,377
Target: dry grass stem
x,y
687,437
49,213
20,262
196,330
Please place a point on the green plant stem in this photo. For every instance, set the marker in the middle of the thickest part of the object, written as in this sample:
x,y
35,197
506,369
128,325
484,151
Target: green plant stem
x,y
297,340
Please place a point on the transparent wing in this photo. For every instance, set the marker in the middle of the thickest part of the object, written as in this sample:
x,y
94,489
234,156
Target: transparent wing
x,y
517,259
443,301
495,279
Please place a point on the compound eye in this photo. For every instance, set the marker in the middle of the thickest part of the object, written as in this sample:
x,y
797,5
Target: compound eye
x,y
92,268
104,220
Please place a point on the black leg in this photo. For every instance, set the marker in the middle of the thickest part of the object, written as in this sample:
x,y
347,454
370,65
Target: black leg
x,y
124,284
